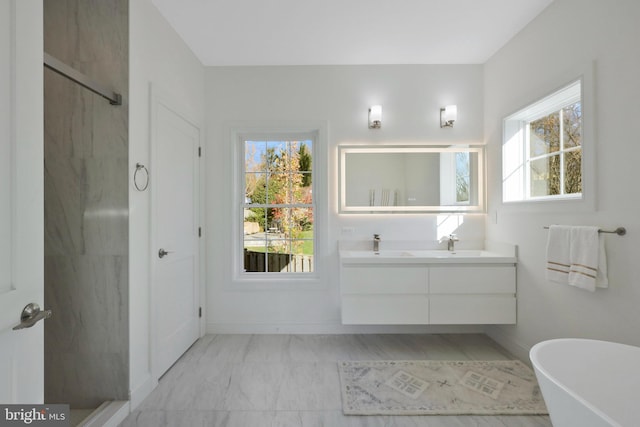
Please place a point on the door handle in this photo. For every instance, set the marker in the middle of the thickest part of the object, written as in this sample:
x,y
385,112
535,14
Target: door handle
x,y
31,315
162,253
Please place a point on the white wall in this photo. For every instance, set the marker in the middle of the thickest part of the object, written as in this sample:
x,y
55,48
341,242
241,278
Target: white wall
x,y
411,97
567,34
161,58
5,148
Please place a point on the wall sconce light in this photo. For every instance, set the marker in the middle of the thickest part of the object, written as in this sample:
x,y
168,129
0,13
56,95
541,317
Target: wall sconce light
x,y
448,115
375,117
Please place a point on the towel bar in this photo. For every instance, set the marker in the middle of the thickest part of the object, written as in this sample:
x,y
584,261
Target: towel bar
x,y
620,231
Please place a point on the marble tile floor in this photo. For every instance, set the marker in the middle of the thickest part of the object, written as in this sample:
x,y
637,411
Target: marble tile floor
x,y
292,381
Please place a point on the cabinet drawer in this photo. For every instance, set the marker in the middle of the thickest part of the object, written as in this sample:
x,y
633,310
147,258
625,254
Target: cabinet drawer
x,y
405,279
472,309
385,309
472,280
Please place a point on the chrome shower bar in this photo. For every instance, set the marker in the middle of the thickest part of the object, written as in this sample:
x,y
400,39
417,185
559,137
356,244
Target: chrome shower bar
x,y
63,69
620,231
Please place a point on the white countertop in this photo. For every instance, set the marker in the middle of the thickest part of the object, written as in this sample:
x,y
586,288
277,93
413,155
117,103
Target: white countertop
x,y
494,254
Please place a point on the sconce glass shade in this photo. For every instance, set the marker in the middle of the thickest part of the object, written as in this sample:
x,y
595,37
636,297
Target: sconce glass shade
x,y
448,115
375,117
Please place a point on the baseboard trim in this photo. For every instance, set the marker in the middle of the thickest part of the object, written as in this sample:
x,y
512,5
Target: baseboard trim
x,y
330,329
109,414
514,347
142,391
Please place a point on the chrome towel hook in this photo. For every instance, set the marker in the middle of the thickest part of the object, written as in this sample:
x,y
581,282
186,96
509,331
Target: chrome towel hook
x,y
140,166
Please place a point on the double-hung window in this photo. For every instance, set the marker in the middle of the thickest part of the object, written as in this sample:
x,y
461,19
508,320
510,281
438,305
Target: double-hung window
x,y
542,151
278,203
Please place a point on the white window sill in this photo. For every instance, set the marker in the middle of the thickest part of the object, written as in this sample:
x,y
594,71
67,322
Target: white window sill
x,y
550,204
280,282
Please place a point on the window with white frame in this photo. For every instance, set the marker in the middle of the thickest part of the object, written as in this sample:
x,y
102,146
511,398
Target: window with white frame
x,y
278,204
542,149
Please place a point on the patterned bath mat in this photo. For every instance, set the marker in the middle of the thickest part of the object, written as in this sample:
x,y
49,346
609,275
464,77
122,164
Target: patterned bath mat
x,y
426,387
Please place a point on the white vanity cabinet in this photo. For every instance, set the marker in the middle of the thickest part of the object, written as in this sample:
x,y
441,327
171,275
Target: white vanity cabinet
x,y
384,294
472,294
432,290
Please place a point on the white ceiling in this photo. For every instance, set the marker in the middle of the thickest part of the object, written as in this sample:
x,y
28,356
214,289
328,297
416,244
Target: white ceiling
x,y
315,32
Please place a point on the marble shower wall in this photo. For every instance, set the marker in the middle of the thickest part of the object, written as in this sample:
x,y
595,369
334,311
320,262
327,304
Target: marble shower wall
x,y
86,205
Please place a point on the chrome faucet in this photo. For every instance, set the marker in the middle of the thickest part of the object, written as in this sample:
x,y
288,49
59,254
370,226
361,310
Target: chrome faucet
x,y
451,242
376,243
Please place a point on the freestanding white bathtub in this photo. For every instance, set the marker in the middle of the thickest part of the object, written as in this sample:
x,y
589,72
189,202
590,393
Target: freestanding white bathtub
x,y
588,383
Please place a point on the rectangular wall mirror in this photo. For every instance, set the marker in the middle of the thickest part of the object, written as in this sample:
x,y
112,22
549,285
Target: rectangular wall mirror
x,y
420,178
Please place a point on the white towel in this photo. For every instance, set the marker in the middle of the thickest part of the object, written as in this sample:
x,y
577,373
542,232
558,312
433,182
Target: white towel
x,y
587,257
558,246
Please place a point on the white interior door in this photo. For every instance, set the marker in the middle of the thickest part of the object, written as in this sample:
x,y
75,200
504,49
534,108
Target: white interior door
x,y
21,199
175,228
